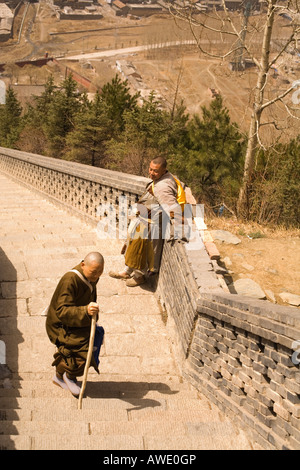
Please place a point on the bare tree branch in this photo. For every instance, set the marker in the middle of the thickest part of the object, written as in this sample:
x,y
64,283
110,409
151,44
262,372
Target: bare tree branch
x,y
277,98
288,42
254,38
289,111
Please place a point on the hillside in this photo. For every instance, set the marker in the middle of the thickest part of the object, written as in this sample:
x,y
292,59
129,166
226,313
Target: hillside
x,y
268,256
175,73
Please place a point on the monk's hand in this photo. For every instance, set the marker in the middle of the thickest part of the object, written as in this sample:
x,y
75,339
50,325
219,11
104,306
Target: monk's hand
x,y
92,308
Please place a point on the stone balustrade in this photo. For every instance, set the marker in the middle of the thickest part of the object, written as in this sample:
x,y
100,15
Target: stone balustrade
x,y
242,353
80,188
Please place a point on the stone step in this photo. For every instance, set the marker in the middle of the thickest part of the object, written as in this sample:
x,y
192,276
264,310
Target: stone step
x,y
101,384
125,380
125,411
66,442
36,428
15,442
137,407
111,436
104,425
94,426
74,415
49,391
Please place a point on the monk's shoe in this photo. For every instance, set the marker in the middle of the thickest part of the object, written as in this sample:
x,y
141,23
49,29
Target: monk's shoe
x,y
72,385
135,281
59,382
117,275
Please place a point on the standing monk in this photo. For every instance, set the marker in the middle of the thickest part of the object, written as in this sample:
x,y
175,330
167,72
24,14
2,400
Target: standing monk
x,y
69,317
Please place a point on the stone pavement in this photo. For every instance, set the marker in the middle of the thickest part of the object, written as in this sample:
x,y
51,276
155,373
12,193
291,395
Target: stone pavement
x,y
139,401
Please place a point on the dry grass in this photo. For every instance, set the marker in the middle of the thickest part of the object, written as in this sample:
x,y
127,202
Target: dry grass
x,y
245,228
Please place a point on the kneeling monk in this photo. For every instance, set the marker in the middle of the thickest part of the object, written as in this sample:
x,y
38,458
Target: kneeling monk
x,y
69,317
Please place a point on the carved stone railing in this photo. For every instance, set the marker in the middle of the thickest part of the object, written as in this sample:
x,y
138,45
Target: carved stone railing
x,y
79,188
242,353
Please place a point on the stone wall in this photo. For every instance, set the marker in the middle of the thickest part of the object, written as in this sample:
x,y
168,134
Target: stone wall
x,y
186,270
242,353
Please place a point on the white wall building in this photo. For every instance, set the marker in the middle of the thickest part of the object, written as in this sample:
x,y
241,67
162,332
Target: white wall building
x,y
6,22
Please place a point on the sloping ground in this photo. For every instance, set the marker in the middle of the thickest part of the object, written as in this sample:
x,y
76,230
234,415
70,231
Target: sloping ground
x,y
140,401
268,256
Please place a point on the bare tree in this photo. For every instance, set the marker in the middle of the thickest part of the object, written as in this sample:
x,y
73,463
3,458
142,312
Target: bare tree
x,y
252,35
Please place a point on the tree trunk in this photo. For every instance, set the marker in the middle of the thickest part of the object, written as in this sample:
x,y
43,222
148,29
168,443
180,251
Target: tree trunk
x,y
252,145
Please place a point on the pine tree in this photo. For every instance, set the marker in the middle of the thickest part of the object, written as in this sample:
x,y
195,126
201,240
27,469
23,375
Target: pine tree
x,y
33,136
145,135
43,102
10,119
118,99
210,162
67,102
93,127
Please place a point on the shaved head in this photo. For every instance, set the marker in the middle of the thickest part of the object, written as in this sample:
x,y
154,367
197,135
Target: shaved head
x,y
93,265
160,161
94,258
157,168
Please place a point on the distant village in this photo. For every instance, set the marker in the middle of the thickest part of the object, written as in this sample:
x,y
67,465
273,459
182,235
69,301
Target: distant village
x,y
92,9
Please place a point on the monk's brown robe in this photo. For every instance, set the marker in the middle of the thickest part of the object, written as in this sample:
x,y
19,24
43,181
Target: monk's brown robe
x,y
68,323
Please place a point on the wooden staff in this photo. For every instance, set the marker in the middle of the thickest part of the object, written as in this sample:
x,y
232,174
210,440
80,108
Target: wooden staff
x,y
88,360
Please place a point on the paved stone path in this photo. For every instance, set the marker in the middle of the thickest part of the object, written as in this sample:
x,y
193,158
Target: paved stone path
x,y
140,400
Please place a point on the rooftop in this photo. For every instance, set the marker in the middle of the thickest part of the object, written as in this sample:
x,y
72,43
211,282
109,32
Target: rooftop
x,y
5,11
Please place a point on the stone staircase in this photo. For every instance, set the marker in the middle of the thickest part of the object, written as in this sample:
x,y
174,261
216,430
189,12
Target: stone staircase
x,y
140,400
116,416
